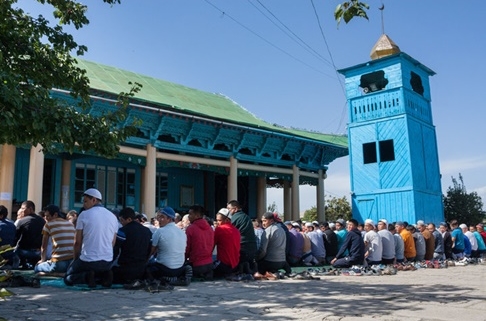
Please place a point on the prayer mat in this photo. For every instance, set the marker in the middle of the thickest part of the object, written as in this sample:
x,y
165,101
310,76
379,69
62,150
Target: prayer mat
x,y
59,283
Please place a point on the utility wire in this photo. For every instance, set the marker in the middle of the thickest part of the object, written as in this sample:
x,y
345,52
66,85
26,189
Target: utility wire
x,y
332,60
300,42
332,63
265,40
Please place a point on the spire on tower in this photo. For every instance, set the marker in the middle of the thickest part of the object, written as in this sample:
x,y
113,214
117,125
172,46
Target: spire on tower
x,y
384,46
382,19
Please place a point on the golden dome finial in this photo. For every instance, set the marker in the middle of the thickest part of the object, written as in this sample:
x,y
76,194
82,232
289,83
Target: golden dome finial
x,y
384,47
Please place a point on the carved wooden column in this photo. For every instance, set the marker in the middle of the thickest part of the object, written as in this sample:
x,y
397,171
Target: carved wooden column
x,y
148,188
295,194
7,171
36,176
233,179
321,214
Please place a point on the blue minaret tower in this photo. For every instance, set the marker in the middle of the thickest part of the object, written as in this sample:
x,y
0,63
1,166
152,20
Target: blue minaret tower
x,y
393,154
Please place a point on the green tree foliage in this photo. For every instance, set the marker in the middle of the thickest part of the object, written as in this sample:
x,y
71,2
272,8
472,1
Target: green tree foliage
x,y
350,9
335,208
310,215
463,206
338,208
35,57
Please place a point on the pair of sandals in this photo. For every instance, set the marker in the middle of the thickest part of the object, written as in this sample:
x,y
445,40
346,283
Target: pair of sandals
x,y
266,276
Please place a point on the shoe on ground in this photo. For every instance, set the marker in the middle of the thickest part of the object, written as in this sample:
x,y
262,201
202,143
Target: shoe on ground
x,y
136,285
300,276
247,277
165,287
259,276
180,281
152,287
352,272
330,272
271,276
235,278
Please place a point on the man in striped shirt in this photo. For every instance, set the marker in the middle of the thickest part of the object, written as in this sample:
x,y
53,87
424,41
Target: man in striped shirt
x,y
61,231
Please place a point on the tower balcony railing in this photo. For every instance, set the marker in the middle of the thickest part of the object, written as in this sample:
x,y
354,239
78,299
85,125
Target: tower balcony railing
x,y
390,103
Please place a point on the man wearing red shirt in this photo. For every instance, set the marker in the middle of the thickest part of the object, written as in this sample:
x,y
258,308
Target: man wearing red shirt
x,y
227,241
482,232
200,244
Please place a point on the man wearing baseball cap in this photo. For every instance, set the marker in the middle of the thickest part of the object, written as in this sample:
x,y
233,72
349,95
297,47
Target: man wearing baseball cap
x,y
169,243
95,237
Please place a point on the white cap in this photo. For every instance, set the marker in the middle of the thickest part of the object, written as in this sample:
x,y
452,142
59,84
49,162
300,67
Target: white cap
x,y
224,211
384,221
93,192
463,226
370,221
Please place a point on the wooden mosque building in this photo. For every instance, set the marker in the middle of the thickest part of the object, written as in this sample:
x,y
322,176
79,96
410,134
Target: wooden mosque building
x,y
192,147
394,166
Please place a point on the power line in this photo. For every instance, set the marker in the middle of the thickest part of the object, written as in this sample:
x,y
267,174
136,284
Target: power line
x,y
303,44
265,40
300,41
327,46
332,60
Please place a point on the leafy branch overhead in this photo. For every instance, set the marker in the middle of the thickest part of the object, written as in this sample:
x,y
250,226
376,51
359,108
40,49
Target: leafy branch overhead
x,y
350,9
36,57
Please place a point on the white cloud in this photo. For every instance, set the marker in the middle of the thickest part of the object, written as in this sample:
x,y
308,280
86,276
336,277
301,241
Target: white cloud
x,y
473,171
460,165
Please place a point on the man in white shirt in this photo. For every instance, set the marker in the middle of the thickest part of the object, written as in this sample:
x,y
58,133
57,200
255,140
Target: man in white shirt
x,y
95,237
471,238
388,242
373,245
169,243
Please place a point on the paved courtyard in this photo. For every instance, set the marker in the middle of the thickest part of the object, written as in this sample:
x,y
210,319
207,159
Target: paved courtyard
x,y
456,293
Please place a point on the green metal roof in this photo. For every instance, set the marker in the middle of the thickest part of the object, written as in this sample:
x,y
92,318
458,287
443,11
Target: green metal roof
x,y
188,100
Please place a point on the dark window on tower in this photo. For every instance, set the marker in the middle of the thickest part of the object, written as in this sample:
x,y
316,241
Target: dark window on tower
x,y
387,151
373,81
369,153
416,83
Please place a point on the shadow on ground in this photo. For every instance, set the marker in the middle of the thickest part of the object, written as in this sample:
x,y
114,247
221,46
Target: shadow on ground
x,y
335,296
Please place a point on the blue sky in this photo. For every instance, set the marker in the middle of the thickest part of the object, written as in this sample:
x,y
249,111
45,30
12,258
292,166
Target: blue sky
x,y
242,54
